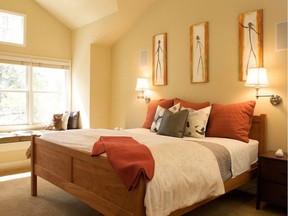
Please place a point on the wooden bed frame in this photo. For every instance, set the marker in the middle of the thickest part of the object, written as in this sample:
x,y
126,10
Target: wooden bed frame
x,y
92,180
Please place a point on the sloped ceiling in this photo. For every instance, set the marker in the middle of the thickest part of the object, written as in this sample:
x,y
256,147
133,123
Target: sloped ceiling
x,y
78,13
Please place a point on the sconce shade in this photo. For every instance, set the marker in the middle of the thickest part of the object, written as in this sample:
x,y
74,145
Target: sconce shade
x,y
142,84
257,77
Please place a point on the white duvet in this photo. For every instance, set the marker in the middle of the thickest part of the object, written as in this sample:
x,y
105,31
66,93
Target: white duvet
x,y
185,172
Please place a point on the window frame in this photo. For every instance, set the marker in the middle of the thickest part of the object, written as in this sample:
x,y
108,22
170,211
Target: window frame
x,y
24,29
31,61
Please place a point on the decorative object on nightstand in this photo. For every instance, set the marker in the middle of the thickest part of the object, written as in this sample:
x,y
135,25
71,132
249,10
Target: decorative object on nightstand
x,y
279,153
272,179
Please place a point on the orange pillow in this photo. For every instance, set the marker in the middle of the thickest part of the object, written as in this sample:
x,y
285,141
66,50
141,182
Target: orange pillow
x,y
187,104
231,121
151,110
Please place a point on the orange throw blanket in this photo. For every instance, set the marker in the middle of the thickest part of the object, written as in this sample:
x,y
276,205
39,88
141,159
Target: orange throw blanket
x,y
127,157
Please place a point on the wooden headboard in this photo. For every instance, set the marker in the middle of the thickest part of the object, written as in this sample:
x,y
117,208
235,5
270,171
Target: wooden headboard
x,y
258,131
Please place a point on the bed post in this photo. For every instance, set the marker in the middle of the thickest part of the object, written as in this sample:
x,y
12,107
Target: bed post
x,y
33,176
258,131
262,132
139,200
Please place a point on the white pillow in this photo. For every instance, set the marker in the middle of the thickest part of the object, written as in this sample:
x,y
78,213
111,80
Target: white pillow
x,y
65,119
159,114
196,122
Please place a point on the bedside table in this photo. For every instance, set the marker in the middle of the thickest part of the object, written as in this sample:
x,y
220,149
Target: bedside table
x,y
272,179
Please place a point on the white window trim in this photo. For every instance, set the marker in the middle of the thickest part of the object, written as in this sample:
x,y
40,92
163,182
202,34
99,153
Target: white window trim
x,y
36,60
24,30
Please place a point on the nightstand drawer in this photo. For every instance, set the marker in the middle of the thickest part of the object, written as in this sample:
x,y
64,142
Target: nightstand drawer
x,y
274,193
274,170
272,179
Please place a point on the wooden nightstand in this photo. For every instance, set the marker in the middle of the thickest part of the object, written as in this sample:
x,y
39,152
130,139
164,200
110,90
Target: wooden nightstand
x,y
272,179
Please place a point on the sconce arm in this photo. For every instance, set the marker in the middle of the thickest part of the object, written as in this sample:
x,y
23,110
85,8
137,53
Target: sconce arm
x,y
147,99
274,99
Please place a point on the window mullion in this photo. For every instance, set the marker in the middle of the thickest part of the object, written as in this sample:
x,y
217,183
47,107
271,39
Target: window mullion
x,y
30,94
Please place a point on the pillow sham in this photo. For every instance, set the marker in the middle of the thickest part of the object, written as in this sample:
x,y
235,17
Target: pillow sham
x,y
151,110
64,122
231,121
187,104
73,120
59,121
196,122
159,114
173,124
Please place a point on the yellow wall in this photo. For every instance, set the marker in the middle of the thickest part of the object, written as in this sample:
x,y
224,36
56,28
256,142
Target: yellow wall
x,y
46,36
104,77
100,82
104,32
175,18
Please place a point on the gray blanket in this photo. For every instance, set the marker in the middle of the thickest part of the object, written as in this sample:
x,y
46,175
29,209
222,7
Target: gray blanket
x,y
223,158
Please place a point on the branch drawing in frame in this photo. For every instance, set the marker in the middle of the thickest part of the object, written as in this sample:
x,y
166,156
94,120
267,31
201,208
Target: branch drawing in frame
x,y
199,53
159,59
250,41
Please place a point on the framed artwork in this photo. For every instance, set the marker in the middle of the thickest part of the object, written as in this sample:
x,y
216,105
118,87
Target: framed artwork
x,y
199,53
250,41
159,59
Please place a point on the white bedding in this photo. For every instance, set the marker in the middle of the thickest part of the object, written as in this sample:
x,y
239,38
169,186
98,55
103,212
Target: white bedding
x,y
176,183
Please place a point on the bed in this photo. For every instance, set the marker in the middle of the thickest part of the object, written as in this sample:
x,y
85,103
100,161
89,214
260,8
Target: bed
x,y
68,164
93,181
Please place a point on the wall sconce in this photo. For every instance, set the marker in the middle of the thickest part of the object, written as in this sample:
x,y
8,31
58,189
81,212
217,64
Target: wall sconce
x,y
257,77
142,85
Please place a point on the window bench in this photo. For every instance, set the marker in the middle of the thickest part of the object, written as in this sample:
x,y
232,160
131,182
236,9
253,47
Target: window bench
x,y
18,136
13,148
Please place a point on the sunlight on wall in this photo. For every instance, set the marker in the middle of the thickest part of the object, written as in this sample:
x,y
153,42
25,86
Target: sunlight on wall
x,y
78,105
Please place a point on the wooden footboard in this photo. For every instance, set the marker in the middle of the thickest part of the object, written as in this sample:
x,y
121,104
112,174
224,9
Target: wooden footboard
x,y
92,180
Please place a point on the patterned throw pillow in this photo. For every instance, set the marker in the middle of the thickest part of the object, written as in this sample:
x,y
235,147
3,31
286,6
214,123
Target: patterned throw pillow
x,y
159,115
196,122
151,110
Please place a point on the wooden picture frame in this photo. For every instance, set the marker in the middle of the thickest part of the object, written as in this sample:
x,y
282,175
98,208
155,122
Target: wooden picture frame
x,y
159,60
250,41
199,49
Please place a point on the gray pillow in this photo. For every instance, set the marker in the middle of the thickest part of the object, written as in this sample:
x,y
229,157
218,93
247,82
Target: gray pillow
x,y
73,120
173,124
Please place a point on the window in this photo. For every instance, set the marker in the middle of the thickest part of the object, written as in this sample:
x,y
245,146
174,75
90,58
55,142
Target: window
x,y
12,28
32,90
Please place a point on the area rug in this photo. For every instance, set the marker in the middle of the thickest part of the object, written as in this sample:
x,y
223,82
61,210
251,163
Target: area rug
x,y
15,200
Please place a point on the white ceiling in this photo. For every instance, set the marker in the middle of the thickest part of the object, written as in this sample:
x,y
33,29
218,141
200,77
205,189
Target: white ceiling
x,y
77,13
